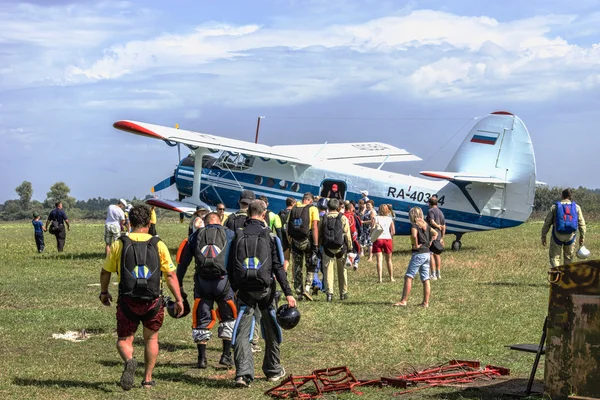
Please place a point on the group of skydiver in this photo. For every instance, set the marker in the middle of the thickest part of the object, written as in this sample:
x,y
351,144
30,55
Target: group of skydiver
x,y
238,261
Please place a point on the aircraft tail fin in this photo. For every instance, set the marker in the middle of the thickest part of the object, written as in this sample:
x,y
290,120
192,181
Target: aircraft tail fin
x,y
495,165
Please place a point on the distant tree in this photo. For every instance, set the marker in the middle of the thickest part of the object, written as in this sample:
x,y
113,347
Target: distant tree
x,y
25,191
60,192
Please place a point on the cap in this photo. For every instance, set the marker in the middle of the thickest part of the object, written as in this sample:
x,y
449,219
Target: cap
x,y
201,208
129,207
122,201
334,187
36,214
365,192
247,196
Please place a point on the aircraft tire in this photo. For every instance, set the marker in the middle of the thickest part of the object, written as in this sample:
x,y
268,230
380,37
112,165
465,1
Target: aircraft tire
x,y
456,245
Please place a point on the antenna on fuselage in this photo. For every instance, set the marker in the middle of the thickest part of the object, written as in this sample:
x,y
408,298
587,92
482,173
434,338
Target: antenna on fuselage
x,y
257,128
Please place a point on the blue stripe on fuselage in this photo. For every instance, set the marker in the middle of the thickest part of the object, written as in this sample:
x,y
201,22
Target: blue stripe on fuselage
x,y
230,195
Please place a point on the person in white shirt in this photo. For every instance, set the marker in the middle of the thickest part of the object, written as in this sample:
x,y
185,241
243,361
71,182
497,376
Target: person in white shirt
x,y
115,220
384,243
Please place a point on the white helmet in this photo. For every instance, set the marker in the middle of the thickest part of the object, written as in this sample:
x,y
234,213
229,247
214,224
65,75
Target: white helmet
x,y
583,253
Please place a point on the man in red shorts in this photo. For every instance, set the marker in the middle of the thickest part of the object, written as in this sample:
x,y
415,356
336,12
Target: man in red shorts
x,y
139,259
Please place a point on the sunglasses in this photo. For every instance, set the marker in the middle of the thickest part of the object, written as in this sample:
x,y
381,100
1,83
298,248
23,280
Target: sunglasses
x,y
220,209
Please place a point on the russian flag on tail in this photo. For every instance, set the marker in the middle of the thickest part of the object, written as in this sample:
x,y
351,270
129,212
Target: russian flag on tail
x,y
485,138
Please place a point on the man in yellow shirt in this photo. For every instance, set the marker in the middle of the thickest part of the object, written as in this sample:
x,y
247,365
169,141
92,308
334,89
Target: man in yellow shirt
x,y
152,229
303,235
139,259
336,241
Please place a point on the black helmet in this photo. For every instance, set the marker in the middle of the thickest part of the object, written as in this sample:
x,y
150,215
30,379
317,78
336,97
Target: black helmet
x,y
288,317
170,306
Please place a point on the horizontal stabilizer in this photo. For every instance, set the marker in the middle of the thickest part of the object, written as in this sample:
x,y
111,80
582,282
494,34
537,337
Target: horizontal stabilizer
x,y
464,177
173,205
352,153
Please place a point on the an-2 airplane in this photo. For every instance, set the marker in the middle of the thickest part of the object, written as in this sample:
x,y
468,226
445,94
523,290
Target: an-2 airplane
x,y
488,184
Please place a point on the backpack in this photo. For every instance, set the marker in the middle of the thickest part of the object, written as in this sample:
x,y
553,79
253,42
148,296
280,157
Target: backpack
x,y
253,270
283,215
209,252
140,274
299,223
333,232
236,221
566,218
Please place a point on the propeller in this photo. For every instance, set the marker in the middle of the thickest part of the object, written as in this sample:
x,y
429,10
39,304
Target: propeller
x,y
165,183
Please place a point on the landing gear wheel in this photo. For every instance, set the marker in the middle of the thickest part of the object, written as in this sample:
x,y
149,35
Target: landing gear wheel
x,y
456,245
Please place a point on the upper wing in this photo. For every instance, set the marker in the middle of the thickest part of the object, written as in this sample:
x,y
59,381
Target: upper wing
x,y
463,177
211,142
353,153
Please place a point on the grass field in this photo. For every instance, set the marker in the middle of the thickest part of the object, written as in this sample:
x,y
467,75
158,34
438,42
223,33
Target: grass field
x,y
493,292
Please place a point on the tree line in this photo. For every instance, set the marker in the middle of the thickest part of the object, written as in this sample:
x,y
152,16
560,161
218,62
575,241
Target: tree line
x,y
24,206
95,208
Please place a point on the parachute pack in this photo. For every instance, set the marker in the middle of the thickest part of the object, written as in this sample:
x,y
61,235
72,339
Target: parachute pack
x,y
253,270
210,252
333,232
566,218
299,222
236,221
140,269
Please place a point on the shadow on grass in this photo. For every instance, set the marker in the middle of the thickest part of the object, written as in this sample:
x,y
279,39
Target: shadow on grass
x,y
118,363
505,389
62,383
78,256
215,383
363,303
514,284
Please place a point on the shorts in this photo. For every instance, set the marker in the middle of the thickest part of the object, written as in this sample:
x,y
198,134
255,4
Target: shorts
x,y
383,246
111,233
127,327
419,262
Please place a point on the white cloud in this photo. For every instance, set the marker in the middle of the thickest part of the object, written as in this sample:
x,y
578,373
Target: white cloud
x,y
453,56
424,53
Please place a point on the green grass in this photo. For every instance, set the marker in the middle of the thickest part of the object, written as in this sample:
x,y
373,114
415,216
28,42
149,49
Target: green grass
x,y
493,292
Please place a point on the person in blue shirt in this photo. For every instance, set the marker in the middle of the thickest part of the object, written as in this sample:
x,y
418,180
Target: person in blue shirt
x,y
58,219
38,231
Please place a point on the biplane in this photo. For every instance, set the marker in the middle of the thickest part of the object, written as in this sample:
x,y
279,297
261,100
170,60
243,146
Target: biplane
x,y
488,184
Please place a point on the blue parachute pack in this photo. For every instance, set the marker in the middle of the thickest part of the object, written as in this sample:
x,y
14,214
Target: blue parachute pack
x,y
566,221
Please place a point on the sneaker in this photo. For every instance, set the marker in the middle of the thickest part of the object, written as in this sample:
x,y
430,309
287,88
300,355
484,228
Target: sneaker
x,y
255,348
307,295
433,277
439,276
128,374
241,382
344,296
226,360
202,364
329,297
278,376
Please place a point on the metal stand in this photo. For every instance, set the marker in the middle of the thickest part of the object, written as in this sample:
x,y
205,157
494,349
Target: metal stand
x,y
538,354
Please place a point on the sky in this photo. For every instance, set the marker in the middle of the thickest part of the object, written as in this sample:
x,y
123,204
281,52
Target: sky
x,y
414,74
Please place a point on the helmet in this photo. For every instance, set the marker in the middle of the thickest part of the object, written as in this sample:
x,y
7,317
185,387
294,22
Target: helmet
x,y
287,317
583,253
170,306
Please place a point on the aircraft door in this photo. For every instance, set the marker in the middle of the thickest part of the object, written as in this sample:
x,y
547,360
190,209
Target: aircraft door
x,y
331,188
